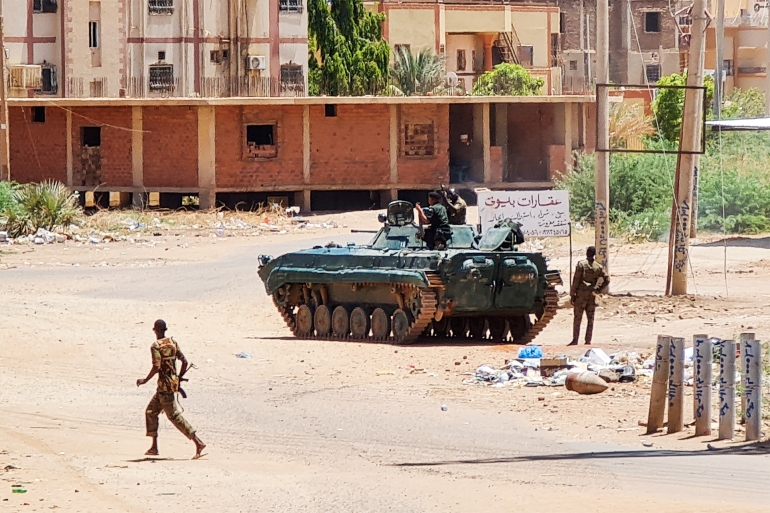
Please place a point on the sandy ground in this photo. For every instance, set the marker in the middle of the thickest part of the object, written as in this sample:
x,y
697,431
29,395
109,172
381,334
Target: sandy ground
x,y
329,426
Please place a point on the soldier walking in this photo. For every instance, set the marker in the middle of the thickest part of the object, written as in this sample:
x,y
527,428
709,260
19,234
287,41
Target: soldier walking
x,y
165,353
589,280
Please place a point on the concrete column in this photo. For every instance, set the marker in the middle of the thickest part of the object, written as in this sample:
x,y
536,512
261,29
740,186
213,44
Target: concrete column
x,y
137,156
581,125
485,132
751,351
302,198
676,385
501,134
487,40
658,393
68,136
727,390
394,136
703,356
568,117
207,157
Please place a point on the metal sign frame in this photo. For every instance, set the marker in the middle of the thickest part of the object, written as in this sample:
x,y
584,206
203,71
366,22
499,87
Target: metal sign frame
x,y
644,86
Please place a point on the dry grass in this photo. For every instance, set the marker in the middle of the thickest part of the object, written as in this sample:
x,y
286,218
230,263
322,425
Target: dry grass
x,y
629,125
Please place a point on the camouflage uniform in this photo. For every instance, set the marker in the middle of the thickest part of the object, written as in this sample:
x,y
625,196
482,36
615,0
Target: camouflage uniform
x,y
457,212
588,281
438,232
165,352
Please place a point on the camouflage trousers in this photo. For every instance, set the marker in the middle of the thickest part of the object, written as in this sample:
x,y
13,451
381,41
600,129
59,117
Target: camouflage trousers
x,y
166,402
584,302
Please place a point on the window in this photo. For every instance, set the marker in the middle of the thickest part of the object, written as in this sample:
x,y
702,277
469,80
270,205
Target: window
x,y
161,56
48,83
93,34
161,78
418,139
38,114
562,23
652,72
44,5
291,5
685,21
292,74
260,141
526,55
161,6
330,110
398,49
91,136
729,66
460,60
652,22
573,65
555,49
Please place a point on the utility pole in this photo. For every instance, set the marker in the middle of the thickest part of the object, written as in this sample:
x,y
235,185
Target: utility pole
x,y
718,84
602,198
690,141
5,160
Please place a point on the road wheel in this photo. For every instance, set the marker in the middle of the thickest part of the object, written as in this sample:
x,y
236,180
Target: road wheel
x,y
322,321
380,324
400,325
359,323
340,322
304,320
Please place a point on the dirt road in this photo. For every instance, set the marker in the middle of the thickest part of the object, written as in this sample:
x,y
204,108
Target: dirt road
x,y
327,426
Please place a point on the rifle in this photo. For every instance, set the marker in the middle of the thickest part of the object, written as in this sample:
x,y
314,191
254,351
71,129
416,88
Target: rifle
x,y
182,378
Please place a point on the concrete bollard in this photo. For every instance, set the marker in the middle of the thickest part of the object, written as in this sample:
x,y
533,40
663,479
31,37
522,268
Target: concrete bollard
x,y
659,385
727,390
702,360
675,389
751,355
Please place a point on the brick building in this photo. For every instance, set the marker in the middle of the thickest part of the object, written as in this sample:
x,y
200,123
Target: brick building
x,y
140,48
643,46
319,153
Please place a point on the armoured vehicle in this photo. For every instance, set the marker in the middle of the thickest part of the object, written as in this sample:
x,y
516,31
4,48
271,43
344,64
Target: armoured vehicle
x,y
396,290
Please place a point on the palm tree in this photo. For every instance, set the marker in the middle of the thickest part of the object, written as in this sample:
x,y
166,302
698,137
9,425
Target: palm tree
x,y
419,74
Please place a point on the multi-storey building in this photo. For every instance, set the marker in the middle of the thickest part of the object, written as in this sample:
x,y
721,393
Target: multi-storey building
x,y
137,48
475,35
643,46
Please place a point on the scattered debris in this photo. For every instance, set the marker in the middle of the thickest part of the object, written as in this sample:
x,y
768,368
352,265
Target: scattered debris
x,y
585,383
444,407
243,355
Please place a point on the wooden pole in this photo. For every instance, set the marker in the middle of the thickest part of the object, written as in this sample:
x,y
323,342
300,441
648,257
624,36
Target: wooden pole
x,y
692,120
5,160
659,385
602,197
702,360
727,390
751,351
675,388
718,84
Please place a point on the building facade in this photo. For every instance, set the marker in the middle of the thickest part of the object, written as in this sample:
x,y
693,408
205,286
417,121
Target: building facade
x,y
643,46
145,48
473,35
318,153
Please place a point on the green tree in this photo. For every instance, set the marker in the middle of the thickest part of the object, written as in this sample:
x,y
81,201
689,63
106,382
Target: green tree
x,y
669,104
508,80
419,74
354,57
744,103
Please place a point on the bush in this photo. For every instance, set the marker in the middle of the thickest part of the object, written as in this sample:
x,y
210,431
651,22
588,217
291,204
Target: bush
x,y
744,103
668,104
33,206
642,227
508,80
746,202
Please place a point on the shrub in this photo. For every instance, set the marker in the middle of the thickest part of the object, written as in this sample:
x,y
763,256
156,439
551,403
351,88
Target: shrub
x,y
668,104
744,103
45,205
508,80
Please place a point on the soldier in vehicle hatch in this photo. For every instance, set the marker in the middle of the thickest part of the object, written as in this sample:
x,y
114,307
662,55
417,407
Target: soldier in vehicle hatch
x,y
455,207
437,233
589,280
165,353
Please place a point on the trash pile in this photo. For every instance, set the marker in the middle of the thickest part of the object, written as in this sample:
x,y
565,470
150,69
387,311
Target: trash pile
x,y
593,371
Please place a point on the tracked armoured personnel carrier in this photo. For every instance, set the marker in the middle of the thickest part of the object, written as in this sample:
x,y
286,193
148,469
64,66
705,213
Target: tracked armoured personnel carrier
x,y
395,290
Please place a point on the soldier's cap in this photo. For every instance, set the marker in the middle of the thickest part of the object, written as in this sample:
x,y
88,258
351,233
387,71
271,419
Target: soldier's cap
x,y
160,325
591,250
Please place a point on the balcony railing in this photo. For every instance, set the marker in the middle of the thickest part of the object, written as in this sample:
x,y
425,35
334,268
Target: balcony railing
x,y
751,70
79,87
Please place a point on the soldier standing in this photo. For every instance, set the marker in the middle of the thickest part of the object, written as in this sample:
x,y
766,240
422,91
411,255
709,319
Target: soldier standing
x,y
589,280
165,353
455,207
437,232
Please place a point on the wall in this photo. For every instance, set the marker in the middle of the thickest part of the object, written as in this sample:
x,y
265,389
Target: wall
x,y
416,27
351,148
38,151
170,146
487,19
530,135
115,148
534,29
234,171
425,170
471,44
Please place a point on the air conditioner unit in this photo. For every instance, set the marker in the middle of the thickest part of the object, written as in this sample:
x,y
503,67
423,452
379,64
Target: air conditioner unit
x,y
26,76
256,62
